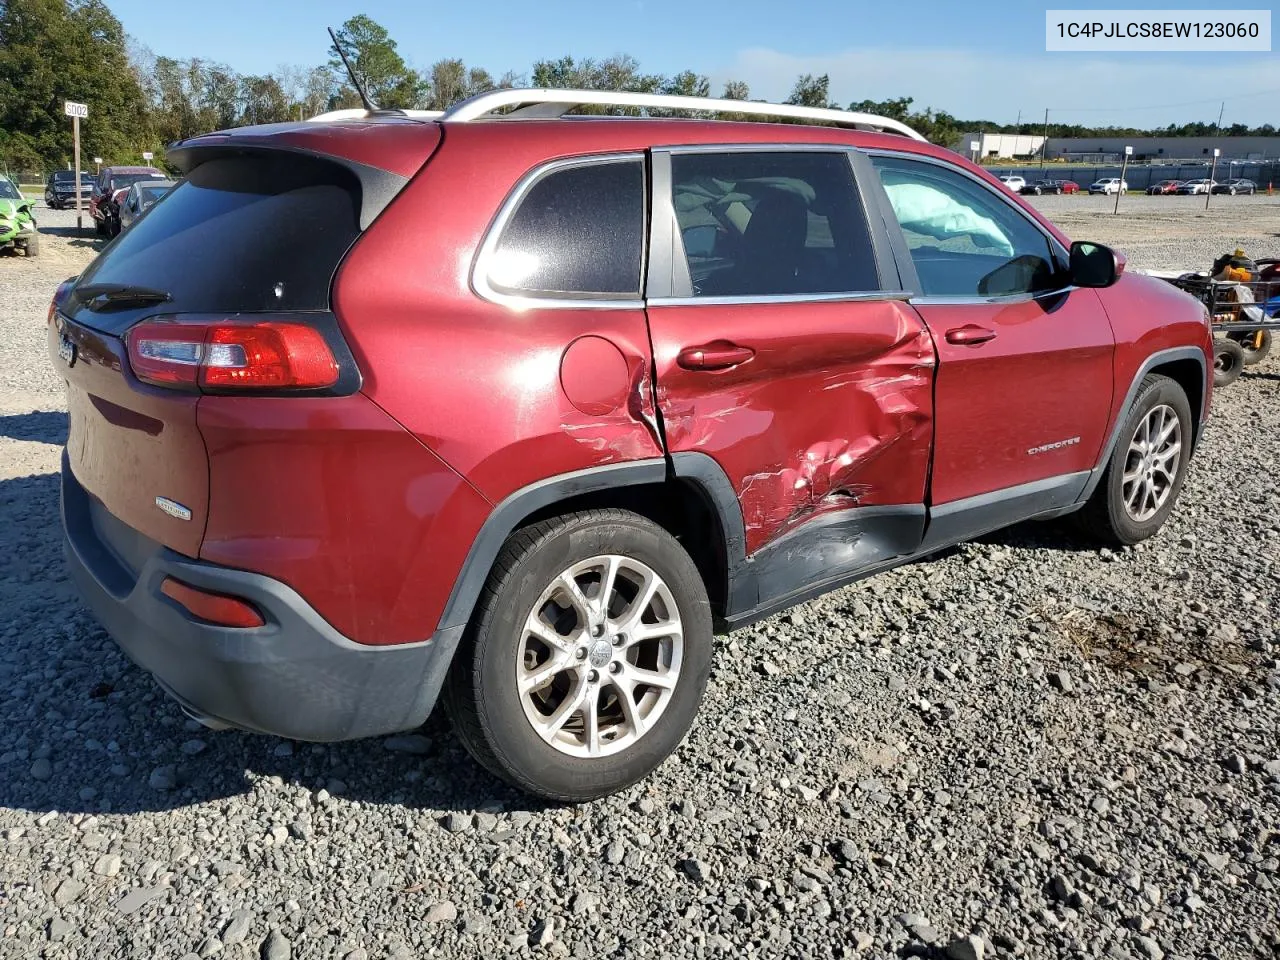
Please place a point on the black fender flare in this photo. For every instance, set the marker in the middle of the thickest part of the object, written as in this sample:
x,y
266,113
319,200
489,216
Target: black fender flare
x,y
697,469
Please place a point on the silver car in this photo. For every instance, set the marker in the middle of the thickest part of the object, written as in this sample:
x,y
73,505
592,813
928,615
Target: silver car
x,y
140,198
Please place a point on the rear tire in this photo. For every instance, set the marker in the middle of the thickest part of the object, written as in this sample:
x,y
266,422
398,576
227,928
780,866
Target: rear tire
x,y
1147,468
1228,361
536,689
32,248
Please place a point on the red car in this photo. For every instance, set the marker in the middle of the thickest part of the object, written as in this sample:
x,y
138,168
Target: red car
x,y
1164,187
112,182
515,411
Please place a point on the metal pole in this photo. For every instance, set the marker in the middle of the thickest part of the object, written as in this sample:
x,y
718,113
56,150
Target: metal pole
x,y
1208,191
1120,187
1044,147
75,135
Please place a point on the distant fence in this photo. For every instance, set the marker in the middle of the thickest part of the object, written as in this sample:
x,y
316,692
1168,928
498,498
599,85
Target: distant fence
x,y
1139,176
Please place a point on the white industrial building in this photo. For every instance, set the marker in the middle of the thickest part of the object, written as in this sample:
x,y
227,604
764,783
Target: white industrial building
x,y
975,145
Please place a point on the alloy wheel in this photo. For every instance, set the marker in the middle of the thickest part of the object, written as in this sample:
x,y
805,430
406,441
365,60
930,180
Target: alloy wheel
x,y
1152,464
600,656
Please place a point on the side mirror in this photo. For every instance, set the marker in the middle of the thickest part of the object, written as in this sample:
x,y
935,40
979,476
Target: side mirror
x,y
1094,265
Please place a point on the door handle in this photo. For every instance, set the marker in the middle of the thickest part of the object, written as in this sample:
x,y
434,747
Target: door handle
x,y
969,335
716,355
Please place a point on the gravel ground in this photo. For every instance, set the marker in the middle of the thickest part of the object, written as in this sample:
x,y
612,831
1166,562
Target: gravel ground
x,y
1023,748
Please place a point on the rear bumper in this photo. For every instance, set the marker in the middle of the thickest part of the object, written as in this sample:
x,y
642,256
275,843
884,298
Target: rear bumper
x,y
294,677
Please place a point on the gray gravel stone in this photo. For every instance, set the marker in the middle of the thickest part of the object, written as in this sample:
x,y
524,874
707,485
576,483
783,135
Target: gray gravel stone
x,y
442,912
276,946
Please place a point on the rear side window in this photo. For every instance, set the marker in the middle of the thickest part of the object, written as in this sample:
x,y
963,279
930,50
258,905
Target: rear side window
x,y
576,232
772,224
242,234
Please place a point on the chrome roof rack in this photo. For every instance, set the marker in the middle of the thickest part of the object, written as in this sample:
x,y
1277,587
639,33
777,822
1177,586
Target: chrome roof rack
x,y
549,104
360,113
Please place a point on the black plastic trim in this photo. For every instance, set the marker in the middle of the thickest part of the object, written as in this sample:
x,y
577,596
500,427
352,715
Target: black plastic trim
x,y
960,520
526,501
295,676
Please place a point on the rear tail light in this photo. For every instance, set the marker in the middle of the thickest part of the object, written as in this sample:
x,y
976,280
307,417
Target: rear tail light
x,y
222,355
212,607
58,294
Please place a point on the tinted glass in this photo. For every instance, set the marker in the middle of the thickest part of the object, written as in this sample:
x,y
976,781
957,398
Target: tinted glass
x,y
121,180
578,231
964,240
241,234
152,194
771,223
8,191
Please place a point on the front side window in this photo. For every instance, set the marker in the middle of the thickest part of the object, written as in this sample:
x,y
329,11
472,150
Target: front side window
x,y
964,240
772,224
577,232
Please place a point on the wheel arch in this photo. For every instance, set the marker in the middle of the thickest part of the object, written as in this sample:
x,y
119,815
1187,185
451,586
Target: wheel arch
x,y
1186,366
688,495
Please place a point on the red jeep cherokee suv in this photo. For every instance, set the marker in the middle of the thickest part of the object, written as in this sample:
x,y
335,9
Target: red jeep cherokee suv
x,y
515,410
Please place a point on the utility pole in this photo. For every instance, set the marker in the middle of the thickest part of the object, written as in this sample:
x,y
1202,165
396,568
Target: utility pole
x,y
1044,147
1221,109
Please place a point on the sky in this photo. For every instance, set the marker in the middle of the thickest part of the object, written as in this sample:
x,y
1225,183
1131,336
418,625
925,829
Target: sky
x,y
972,59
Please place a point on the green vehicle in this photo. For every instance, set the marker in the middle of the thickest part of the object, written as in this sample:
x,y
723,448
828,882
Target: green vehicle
x,y
17,221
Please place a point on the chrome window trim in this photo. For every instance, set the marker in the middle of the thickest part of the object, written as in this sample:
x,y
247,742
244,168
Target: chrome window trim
x,y
1055,245
679,267
858,297
553,300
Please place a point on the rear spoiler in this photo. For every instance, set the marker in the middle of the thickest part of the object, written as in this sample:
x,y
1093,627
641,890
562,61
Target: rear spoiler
x,y
396,159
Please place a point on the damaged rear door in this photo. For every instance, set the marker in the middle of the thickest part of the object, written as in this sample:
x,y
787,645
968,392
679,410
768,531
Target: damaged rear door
x,y
784,351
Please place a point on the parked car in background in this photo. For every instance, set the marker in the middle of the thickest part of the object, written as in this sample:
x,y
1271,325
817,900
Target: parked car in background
x,y
747,371
1232,187
17,220
1164,187
1193,187
1038,187
102,205
1109,185
139,198
60,191
1014,183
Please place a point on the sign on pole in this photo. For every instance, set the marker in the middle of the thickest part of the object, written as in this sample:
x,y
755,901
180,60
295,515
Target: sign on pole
x,y
76,111
1213,169
147,155
974,147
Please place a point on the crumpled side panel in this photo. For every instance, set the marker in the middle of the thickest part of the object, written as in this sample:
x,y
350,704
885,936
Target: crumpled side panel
x,y
833,411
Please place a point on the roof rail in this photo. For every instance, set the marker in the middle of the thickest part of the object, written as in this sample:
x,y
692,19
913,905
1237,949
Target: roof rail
x,y
360,113
549,104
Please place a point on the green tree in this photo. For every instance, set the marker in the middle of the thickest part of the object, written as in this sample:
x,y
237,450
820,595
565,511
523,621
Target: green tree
x,y
57,50
736,90
811,91
377,65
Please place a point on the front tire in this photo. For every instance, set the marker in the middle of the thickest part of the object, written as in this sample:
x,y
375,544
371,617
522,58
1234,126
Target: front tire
x,y
1147,468
587,657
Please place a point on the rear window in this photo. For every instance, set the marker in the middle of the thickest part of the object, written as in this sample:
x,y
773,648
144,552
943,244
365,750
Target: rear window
x,y
241,234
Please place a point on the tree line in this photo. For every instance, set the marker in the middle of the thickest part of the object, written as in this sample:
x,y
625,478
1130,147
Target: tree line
x,y
56,50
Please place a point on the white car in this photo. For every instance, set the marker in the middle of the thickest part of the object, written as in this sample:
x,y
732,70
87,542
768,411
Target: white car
x,y
1193,187
1109,185
1014,183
